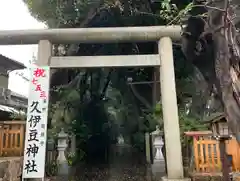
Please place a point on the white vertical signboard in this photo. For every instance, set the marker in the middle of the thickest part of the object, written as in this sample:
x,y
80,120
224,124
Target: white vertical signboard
x,y
36,126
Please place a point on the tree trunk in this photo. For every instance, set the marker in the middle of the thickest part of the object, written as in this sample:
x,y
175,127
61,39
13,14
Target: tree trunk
x,y
220,50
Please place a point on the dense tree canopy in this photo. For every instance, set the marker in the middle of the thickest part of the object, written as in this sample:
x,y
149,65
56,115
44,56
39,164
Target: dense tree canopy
x,y
103,102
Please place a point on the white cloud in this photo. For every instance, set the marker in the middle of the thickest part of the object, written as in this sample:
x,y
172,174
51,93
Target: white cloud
x,y
14,15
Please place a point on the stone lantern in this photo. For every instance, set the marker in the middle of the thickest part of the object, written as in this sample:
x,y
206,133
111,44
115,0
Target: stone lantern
x,y
158,166
62,145
158,143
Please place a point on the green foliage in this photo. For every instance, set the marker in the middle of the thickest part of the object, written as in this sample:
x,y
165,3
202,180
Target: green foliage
x,y
56,13
189,123
171,13
139,140
168,10
59,13
73,158
51,168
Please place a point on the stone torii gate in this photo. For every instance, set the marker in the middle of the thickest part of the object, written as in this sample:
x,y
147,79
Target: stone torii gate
x,y
164,60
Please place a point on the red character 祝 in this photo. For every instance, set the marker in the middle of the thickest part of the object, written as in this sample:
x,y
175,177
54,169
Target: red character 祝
x,y
39,72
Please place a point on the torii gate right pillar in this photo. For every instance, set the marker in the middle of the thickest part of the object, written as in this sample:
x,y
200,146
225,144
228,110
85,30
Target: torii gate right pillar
x,y
170,110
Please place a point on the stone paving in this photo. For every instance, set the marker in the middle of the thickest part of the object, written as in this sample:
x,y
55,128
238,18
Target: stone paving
x,y
106,173
115,172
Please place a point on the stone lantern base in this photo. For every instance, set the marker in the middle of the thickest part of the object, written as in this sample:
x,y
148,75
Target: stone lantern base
x,y
180,179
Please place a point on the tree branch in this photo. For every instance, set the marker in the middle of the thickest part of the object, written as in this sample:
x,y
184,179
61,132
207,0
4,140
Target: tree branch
x,y
106,85
140,98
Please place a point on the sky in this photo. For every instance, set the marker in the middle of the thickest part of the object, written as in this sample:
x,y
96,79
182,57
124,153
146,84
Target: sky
x,y
14,15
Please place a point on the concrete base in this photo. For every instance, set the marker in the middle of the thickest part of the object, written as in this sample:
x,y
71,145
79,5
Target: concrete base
x,y
158,170
180,179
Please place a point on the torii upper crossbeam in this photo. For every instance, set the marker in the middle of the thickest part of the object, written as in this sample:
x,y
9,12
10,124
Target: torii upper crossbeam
x,y
90,35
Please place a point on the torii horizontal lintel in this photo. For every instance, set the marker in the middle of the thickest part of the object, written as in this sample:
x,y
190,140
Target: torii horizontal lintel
x,y
90,35
150,60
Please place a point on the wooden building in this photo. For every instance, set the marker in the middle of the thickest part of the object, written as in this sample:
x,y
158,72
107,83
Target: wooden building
x,y
7,65
11,103
206,152
8,97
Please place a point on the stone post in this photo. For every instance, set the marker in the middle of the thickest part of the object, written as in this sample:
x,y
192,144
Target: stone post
x,y
147,148
73,144
62,161
170,110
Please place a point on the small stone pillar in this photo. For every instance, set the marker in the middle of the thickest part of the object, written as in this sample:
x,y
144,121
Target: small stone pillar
x,y
62,161
73,144
50,144
148,148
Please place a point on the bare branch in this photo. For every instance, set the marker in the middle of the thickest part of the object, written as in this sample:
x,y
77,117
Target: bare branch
x,y
140,98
